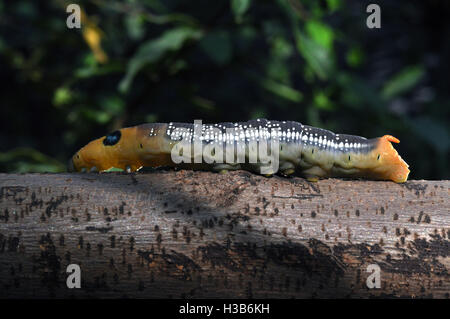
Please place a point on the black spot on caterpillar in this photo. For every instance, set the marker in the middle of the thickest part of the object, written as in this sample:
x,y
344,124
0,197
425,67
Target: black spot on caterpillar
x,y
305,150
112,139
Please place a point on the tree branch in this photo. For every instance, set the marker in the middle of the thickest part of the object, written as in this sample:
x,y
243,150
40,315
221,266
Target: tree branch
x,y
203,235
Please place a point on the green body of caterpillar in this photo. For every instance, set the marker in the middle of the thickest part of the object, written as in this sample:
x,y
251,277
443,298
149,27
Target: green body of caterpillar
x,y
309,151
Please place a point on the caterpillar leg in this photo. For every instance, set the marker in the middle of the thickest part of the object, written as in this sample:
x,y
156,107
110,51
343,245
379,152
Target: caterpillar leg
x,y
287,168
314,173
224,168
312,178
288,171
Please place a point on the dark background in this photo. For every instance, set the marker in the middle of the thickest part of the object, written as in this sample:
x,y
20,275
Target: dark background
x,y
315,62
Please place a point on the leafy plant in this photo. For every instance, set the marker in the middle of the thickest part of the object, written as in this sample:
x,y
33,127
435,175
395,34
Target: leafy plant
x,y
226,60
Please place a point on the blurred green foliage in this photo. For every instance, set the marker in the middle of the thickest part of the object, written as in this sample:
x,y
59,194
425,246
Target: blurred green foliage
x,y
225,60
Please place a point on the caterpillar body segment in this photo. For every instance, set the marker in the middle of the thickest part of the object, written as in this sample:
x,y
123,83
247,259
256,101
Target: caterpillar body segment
x,y
312,152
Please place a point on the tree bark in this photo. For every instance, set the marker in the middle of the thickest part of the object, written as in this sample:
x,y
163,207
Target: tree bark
x,y
187,234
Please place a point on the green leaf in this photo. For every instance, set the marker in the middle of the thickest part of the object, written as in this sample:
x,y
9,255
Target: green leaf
x,y
403,81
114,105
217,45
320,33
100,117
135,26
239,7
282,90
153,50
281,48
321,101
333,5
355,56
62,96
113,169
315,54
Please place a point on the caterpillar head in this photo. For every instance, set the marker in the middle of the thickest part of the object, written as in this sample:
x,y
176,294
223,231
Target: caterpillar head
x,y
128,149
389,164
112,150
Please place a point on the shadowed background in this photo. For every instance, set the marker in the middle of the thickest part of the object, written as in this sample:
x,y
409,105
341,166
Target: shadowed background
x,y
132,62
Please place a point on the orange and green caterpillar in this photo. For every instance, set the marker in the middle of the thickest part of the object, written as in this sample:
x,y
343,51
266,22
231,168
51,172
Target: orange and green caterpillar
x,y
309,151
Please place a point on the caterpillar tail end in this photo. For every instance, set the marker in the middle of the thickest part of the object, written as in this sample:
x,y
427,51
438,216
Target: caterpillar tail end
x,y
391,138
395,168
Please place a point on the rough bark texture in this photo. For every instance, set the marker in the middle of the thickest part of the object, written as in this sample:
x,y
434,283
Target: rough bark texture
x,y
204,235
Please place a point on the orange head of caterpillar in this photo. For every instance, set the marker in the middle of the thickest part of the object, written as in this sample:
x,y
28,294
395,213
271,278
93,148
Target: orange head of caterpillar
x,y
389,164
117,150
128,149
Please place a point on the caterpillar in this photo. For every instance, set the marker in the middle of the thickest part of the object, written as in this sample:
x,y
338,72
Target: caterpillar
x,y
253,145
